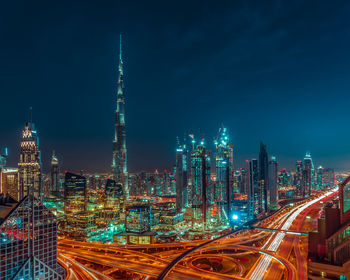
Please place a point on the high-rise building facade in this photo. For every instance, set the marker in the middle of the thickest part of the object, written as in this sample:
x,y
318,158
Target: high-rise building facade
x,y
319,177
54,180
9,182
263,179
181,177
200,178
253,188
80,224
224,176
240,181
28,243
119,162
29,165
74,193
273,180
3,158
298,176
308,175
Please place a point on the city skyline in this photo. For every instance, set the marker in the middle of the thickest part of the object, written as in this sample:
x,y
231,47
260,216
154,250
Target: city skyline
x,y
174,140
248,84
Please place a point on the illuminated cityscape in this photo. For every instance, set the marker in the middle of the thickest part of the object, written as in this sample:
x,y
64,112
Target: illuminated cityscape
x,y
226,157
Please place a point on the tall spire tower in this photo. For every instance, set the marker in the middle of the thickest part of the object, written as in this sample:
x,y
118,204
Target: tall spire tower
x,y
119,163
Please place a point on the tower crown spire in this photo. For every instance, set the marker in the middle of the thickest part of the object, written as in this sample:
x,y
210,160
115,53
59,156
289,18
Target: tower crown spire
x,y
120,47
119,163
120,68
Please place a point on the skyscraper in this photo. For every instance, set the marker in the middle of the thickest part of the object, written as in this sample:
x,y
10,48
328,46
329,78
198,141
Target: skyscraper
x,y
119,162
263,179
298,177
29,166
200,177
273,182
308,175
253,191
80,224
54,184
3,158
74,193
224,175
319,183
181,177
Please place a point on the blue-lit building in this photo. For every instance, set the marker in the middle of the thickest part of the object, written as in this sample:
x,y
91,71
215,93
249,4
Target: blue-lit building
x,y
273,180
181,177
119,158
224,176
3,158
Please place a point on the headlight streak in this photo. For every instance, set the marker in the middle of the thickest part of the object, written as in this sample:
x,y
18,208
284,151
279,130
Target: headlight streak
x,y
264,262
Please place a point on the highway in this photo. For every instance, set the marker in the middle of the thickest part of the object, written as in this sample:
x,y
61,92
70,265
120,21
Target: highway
x,y
273,244
269,254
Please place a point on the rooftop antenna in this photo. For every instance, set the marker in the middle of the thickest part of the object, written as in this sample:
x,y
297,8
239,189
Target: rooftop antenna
x,y
120,47
30,116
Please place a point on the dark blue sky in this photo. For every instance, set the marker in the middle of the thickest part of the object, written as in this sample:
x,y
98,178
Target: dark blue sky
x,y
276,71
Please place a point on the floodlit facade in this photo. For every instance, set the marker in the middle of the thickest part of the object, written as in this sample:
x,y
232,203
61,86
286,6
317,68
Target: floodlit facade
x,y
80,224
224,176
9,182
29,165
54,180
21,255
119,161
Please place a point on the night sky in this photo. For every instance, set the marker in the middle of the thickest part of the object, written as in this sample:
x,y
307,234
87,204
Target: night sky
x,y
276,71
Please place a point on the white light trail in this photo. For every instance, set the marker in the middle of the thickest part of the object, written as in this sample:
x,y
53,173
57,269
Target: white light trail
x,y
264,262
